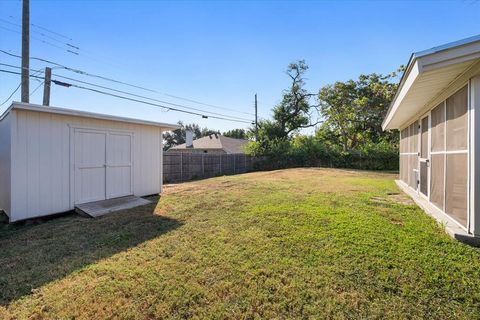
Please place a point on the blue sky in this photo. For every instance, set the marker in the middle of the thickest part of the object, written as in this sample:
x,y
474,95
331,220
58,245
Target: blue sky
x,y
223,52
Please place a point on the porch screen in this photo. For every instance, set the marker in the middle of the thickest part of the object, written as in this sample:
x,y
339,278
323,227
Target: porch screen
x,y
438,128
409,154
437,173
456,168
448,155
456,187
437,179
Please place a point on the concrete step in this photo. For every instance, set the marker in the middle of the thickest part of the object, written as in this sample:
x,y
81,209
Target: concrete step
x,y
99,208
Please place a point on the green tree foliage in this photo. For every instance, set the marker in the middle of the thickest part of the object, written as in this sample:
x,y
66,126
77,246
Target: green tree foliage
x,y
293,113
354,110
236,133
349,134
176,137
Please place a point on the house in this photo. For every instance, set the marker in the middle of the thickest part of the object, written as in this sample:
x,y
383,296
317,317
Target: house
x,y
52,159
437,110
212,144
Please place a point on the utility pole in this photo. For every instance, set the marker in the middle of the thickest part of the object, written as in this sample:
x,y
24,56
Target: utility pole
x,y
46,86
256,118
26,51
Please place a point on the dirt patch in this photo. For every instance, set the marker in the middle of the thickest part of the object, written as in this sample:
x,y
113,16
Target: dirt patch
x,y
393,197
400,198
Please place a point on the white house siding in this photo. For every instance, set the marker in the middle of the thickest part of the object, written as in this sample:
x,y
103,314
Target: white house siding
x,y
5,144
41,170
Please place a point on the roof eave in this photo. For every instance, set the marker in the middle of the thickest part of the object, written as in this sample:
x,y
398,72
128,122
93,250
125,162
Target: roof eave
x,y
428,60
86,114
407,80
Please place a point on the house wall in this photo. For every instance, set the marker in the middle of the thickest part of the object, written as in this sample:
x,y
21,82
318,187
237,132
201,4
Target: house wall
x,y
41,170
446,179
5,163
475,160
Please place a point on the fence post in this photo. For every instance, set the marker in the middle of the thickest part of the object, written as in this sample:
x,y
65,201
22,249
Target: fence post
x,y
234,169
181,166
203,165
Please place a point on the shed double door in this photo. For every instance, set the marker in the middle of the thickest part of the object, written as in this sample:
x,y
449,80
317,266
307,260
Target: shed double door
x,y
102,165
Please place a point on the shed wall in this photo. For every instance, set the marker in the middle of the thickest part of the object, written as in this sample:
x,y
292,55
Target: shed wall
x,y
5,164
41,171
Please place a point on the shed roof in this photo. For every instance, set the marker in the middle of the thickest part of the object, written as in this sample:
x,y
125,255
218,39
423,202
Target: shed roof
x,y
217,141
427,75
84,114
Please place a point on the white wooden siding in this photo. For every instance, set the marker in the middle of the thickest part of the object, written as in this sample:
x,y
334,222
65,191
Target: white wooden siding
x,y
5,143
42,166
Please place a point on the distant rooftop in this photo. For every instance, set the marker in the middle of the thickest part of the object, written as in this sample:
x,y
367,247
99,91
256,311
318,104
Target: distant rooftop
x,y
215,142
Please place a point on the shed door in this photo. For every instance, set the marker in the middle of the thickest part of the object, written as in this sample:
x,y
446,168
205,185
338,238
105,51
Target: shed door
x,y
119,165
90,165
103,165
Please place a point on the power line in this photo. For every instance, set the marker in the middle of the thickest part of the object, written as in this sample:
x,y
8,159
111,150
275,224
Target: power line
x,y
69,47
121,82
14,91
82,52
45,29
149,103
35,90
57,82
134,95
11,95
52,32
148,98
41,40
78,71
205,104
43,34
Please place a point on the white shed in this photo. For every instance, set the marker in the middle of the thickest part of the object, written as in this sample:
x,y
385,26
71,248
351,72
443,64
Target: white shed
x,y
52,159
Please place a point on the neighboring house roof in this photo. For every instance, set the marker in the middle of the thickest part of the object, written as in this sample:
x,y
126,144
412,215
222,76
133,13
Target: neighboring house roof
x,y
85,114
216,141
428,74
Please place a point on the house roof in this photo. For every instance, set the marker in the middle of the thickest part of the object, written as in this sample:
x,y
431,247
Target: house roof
x,y
428,74
229,145
84,114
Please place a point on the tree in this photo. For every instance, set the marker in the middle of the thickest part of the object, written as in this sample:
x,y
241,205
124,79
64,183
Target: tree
x,y
236,133
176,137
354,110
295,111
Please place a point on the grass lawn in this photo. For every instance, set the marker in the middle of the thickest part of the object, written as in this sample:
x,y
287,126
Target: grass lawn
x,y
298,243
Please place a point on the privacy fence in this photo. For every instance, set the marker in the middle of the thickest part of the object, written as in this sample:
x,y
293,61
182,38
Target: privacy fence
x,y
179,167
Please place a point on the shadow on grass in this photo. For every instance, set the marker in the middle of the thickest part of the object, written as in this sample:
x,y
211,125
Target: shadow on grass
x,y
33,255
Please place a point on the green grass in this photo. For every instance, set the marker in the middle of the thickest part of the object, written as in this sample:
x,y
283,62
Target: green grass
x,y
299,243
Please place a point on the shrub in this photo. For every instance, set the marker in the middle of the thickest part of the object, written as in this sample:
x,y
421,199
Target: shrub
x,y
310,151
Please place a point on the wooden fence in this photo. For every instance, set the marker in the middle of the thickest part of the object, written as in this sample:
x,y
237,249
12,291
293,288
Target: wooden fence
x,y
179,167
